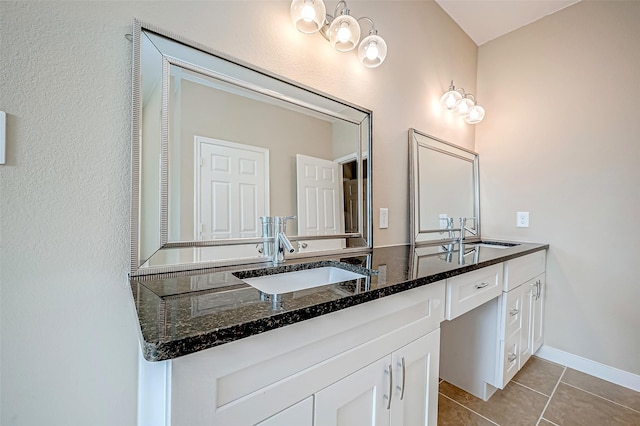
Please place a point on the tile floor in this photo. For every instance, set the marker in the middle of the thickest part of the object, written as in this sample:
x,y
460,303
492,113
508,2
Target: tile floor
x,y
543,393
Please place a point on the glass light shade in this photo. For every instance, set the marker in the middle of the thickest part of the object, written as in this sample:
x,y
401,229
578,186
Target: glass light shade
x,y
372,51
476,114
463,106
308,15
344,33
450,99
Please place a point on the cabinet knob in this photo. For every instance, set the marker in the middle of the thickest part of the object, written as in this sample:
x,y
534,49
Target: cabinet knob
x,y
481,285
514,312
512,357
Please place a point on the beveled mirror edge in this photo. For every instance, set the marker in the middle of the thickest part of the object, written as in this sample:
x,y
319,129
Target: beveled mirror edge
x,y
413,192
136,114
137,267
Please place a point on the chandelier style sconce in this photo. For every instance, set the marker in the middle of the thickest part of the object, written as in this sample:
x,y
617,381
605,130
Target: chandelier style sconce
x,y
463,104
341,30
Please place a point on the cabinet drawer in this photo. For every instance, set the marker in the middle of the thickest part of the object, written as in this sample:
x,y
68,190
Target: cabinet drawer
x,y
468,291
512,311
509,357
522,269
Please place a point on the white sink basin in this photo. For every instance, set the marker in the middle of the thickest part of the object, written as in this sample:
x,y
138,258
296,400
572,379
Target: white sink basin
x,y
301,280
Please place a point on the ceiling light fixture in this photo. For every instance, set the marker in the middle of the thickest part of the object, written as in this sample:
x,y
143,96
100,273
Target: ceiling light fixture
x,y
463,104
342,31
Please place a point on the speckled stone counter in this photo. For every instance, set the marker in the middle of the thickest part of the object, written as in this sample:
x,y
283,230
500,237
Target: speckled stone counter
x,y
186,312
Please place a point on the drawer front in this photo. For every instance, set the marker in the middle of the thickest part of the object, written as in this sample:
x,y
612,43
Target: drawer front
x,y
518,271
510,352
512,311
468,291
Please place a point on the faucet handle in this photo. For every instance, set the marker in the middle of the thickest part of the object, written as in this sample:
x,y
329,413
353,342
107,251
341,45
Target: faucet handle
x,y
463,220
281,222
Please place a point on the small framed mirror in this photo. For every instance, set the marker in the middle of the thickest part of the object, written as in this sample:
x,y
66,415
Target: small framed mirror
x,y
444,187
218,143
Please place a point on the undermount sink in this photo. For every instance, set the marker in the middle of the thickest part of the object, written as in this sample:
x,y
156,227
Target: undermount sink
x,y
301,280
496,245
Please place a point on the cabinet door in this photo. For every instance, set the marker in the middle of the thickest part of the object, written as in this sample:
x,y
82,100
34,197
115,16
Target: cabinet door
x,y
360,399
300,414
537,313
415,373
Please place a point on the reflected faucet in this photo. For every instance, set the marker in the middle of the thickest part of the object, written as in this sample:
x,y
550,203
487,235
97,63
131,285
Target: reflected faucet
x,y
275,229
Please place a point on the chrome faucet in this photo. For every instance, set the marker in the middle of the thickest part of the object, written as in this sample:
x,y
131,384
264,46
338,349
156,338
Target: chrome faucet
x,y
452,234
463,229
280,240
276,242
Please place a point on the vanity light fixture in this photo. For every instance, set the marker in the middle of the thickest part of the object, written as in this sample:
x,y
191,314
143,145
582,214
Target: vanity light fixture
x,y
462,103
308,15
342,30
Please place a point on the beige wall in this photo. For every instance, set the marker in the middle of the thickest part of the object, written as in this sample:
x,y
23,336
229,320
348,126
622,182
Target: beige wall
x,y
561,140
68,324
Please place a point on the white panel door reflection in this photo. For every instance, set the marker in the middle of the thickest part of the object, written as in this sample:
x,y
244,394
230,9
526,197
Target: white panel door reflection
x,y
319,187
232,184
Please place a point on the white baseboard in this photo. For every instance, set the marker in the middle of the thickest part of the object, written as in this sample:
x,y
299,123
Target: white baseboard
x,y
604,372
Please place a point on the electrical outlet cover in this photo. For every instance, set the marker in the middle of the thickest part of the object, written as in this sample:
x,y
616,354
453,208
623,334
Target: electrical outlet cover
x,y
522,219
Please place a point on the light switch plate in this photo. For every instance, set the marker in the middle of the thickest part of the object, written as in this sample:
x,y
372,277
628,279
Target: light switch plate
x,y
522,219
384,218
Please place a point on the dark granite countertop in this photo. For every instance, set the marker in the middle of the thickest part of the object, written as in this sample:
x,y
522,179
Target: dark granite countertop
x,y
186,312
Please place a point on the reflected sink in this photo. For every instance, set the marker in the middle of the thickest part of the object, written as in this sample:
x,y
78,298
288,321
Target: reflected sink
x,y
300,280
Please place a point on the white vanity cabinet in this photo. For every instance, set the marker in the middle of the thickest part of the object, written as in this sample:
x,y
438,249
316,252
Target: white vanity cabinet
x,y
329,370
483,349
521,314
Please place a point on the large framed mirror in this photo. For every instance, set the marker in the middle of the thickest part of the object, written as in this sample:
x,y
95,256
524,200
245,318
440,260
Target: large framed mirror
x,y
444,187
218,143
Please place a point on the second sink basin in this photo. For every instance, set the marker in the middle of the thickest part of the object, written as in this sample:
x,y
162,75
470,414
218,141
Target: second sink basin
x,y
494,244
300,280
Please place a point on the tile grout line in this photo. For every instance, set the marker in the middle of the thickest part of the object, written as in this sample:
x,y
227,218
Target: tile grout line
x,y
601,397
469,409
531,389
564,370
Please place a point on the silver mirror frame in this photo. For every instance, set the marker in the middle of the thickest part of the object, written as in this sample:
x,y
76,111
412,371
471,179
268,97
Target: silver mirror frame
x,y
358,242
446,148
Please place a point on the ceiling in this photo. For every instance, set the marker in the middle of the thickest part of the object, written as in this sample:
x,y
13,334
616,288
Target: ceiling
x,y
484,20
